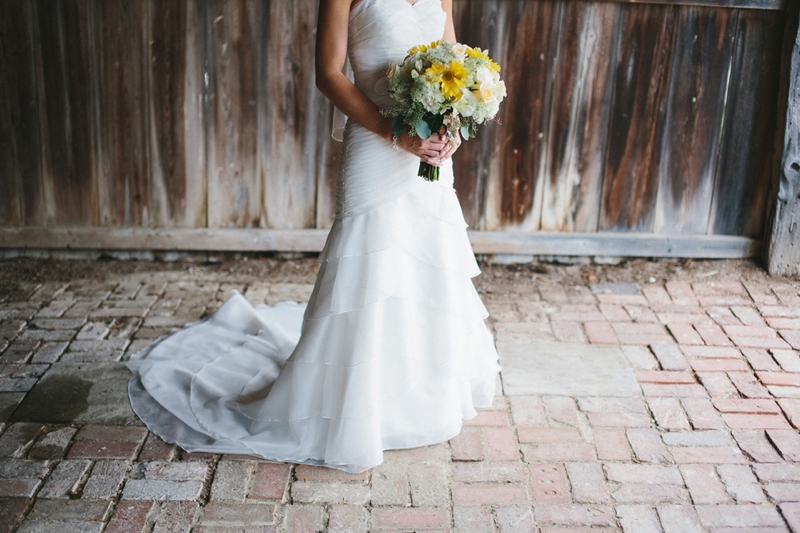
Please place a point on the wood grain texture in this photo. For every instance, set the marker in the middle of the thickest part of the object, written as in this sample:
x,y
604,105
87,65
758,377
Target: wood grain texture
x,y
233,46
637,117
289,106
745,160
746,4
121,50
176,113
64,70
482,24
696,103
312,240
783,251
530,53
583,85
21,200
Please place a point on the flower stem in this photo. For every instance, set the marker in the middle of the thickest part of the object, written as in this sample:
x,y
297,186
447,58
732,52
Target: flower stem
x,y
428,171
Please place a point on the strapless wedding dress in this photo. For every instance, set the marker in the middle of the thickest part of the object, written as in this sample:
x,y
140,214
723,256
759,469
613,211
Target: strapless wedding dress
x,y
391,350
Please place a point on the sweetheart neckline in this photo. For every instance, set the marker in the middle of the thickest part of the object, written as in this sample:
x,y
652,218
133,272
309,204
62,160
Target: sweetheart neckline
x,y
409,4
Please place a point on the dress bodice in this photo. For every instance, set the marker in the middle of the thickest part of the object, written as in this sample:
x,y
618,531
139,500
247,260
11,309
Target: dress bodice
x,y
381,32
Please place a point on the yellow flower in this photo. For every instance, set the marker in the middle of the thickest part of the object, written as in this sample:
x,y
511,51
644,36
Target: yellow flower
x,y
477,53
423,47
451,77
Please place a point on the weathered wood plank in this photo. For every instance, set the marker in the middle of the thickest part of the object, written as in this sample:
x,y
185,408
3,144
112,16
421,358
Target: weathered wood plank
x,y
289,108
744,4
696,102
478,23
637,117
745,157
530,52
235,189
124,186
20,165
783,254
583,85
68,143
176,113
312,240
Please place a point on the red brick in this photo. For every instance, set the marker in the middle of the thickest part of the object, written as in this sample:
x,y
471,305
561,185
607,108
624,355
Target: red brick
x,y
722,316
791,407
755,444
549,483
648,447
669,413
573,515
670,356
676,391
717,384
708,364
785,379
103,450
11,512
549,435
791,512
792,336
685,334
741,516
737,405
748,315
702,414
760,292
760,359
316,473
787,441
489,472
784,323
764,332
625,420
759,342
614,313
500,444
467,446
716,352
746,421
512,519
568,331
562,410
611,445
707,454
489,418
155,449
130,517
622,299
681,293
547,452
691,315
641,333
411,519
789,360
713,335
112,433
748,386
779,311
656,294
269,481
528,411
704,484
600,333
665,377
488,494
576,313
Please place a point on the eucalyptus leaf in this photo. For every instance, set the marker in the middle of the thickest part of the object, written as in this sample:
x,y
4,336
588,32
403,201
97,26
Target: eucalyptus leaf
x,y
423,130
465,132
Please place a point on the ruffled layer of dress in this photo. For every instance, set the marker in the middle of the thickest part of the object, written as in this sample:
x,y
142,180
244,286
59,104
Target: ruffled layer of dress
x,y
394,351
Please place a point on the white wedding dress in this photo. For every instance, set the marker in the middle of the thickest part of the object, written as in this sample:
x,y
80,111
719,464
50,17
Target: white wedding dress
x,y
394,351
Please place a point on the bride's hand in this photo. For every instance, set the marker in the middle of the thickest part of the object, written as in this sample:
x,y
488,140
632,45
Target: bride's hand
x,y
429,150
450,146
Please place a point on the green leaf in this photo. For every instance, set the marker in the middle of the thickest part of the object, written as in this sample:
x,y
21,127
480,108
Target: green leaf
x,y
398,126
465,132
423,130
436,122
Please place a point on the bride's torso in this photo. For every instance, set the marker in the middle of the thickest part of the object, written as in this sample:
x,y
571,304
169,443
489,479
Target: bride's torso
x,y
380,34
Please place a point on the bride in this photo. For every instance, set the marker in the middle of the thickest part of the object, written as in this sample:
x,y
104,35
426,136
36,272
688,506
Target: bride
x,y
391,350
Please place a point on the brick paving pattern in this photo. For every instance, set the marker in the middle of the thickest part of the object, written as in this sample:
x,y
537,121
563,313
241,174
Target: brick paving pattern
x,y
710,445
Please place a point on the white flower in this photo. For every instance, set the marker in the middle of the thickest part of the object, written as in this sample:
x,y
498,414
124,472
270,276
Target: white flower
x,y
467,105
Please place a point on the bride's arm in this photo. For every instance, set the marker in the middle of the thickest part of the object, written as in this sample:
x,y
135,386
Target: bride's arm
x,y
331,51
449,28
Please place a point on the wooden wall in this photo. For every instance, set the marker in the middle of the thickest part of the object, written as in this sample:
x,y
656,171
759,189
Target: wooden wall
x,y
621,117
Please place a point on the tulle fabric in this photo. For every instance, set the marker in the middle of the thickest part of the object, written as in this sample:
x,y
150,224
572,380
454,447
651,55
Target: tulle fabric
x,y
390,352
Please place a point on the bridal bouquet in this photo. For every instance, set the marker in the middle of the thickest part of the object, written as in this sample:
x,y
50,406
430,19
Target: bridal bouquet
x,y
443,87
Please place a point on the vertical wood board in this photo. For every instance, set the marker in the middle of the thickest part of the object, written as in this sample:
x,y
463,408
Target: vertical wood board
x,y
176,113
642,76
235,188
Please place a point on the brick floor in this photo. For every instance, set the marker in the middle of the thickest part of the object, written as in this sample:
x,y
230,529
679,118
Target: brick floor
x,y
710,446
